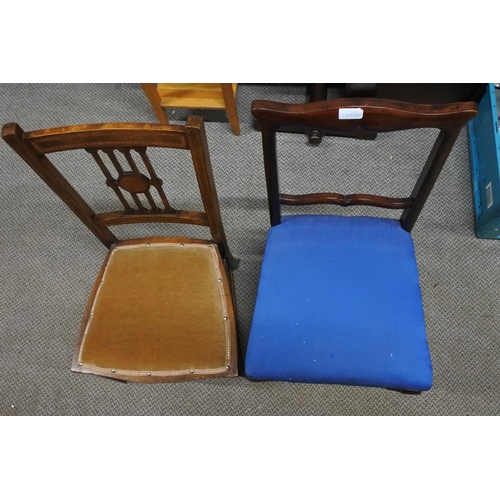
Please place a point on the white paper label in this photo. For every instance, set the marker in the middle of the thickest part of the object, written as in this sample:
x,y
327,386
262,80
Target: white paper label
x,y
350,113
489,196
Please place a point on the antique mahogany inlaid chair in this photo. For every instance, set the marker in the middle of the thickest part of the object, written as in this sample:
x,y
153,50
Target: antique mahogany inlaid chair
x,y
339,297
193,96
161,309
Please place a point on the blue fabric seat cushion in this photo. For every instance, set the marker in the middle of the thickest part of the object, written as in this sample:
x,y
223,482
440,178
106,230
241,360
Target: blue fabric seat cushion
x,y
339,302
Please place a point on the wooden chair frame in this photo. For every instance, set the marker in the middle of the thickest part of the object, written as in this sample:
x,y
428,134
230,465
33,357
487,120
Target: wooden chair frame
x,y
378,115
125,137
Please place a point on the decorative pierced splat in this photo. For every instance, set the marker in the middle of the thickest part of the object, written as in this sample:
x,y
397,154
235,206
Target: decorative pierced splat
x,y
116,140
133,181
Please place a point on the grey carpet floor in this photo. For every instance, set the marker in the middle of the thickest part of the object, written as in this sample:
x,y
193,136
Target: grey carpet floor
x,y
49,260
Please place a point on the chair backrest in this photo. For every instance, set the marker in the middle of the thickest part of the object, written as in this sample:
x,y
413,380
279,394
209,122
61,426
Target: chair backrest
x,y
371,115
117,141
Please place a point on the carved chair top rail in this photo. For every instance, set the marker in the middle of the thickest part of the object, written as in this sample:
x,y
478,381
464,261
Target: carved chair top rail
x,y
378,115
105,135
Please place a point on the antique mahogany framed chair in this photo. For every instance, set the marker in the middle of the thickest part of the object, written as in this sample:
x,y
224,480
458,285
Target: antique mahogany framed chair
x,y
339,297
162,96
161,309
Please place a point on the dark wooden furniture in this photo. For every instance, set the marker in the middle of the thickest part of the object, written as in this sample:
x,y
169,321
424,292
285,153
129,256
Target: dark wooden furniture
x,y
378,116
339,297
418,93
162,309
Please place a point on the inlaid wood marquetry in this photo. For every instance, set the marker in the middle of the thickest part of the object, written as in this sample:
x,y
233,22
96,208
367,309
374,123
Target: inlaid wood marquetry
x,y
130,179
134,183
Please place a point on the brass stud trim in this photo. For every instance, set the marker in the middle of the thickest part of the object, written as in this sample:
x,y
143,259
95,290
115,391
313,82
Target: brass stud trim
x,y
191,371
149,374
225,318
113,371
228,367
79,364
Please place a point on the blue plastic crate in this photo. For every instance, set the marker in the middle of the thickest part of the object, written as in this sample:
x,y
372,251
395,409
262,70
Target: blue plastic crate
x,y
484,148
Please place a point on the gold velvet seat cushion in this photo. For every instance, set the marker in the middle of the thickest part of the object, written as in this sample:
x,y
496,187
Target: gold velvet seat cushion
x,y
158,310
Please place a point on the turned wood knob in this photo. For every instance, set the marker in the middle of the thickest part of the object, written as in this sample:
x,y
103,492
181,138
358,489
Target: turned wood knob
x,y
315,137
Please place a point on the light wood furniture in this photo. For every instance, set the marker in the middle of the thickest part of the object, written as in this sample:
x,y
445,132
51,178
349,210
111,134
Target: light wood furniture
x,y
161,309
193,96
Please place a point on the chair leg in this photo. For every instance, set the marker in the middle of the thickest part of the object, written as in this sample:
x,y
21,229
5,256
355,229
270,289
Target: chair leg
x,y
406,391
154,100
241,361
230,102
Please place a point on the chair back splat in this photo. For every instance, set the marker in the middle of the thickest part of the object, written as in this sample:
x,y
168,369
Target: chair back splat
x,y
339,298
162,309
